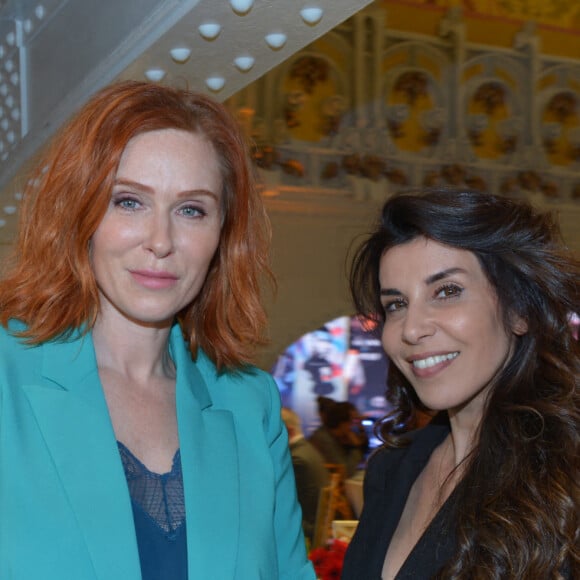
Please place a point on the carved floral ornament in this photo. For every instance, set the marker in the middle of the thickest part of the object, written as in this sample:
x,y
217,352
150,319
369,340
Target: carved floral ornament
x,y
412,84
308,73
375,168
416,111
563,106
561,128
493,117
491,95
411,87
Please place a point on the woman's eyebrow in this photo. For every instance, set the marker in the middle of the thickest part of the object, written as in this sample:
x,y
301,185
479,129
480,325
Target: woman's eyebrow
x,y
429,280
146,189
443,274
133,184
198,192
390,292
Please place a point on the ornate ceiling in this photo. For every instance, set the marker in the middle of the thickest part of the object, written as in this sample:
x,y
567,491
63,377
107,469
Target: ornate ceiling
x,y
55,53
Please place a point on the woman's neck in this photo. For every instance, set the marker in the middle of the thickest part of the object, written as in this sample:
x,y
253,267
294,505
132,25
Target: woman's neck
x,y
132,350
464,435
465,424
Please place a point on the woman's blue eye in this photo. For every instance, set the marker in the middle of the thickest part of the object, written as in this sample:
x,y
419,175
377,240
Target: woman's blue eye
x,y
126,203
191,211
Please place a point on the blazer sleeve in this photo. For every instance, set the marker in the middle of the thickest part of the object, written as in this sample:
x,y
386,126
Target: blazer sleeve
x,y
291,547
301,477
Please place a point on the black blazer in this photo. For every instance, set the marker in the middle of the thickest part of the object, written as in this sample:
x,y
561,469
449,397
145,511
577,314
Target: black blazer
x,y
389,477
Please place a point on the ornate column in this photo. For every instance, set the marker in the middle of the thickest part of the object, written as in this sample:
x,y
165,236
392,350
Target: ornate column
x,y
452,27
527,42
359,70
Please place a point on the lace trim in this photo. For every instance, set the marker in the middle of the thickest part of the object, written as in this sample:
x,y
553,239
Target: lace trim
x,y
160,496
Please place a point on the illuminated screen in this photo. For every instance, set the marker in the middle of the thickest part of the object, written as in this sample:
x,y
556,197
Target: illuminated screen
x,y
342,360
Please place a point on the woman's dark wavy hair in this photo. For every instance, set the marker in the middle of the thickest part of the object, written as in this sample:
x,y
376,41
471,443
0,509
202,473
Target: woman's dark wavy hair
x,y
517,510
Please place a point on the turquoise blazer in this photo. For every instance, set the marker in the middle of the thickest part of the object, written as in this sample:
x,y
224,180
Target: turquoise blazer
x,y
65,510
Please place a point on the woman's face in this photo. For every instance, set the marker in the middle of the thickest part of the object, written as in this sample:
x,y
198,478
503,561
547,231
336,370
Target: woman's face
x,y
152,250
443,326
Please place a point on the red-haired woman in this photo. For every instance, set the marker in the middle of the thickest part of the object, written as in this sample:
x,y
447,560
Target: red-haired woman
x,y
136,441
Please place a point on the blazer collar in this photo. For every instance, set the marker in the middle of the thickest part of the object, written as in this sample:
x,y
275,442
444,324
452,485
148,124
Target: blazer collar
x,y
72,414
68,363
209,455
397,486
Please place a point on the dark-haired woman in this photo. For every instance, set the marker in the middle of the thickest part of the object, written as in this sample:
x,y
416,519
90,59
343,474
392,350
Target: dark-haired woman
x,y
136,441
475,293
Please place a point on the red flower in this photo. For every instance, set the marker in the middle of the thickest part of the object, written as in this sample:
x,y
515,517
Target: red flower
x,y
318,557
328,560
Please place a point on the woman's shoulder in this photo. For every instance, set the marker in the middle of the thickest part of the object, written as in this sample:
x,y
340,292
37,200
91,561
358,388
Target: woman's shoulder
x,y
247,383
414,443
20,363
250,394
10,342
11,329
247,374
320,434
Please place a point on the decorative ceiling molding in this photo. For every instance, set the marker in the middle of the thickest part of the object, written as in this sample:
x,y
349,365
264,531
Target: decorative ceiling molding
x,y
55,53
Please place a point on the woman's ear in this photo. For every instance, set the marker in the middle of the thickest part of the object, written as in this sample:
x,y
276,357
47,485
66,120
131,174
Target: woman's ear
x,y
519,325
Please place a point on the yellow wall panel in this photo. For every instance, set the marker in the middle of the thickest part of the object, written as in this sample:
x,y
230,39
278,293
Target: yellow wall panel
x,y
495,22
411,18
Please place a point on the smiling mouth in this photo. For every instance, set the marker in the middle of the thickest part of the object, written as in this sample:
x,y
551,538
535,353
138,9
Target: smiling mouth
x,y
154,280
153,274
431,361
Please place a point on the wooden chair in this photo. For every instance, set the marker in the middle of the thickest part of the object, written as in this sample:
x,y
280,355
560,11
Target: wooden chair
x,y
342,505
326,512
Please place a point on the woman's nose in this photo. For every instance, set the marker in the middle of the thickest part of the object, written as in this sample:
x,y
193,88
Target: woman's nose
x,y
159,236
418,323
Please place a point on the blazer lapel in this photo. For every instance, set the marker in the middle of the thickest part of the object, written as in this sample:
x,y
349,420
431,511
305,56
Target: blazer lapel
x,y
210,470
72,414
398,485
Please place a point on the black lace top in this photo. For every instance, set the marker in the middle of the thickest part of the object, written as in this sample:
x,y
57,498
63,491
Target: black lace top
x,y
159,514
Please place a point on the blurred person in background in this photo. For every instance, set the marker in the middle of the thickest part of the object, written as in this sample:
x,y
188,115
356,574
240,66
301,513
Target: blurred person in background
x,y
341,439
309,471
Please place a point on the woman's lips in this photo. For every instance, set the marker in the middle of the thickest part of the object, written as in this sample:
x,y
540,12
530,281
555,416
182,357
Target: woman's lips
x,y
154,280
425,366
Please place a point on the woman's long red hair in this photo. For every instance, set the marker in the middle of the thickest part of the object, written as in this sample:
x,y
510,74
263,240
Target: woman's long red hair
x,y
49,283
